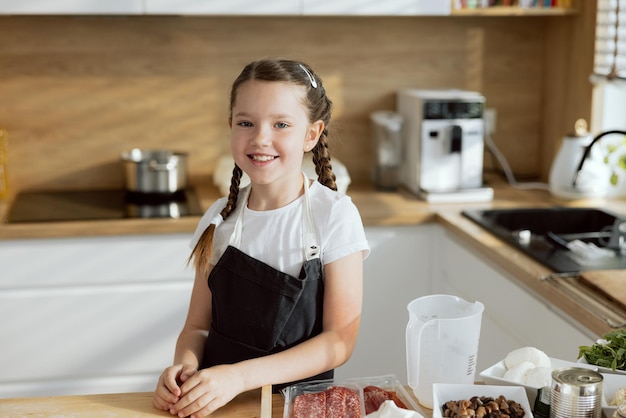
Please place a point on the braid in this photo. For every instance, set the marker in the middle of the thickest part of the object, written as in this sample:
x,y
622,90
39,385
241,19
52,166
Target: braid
x,y
321,109
201,253
321,159
233,193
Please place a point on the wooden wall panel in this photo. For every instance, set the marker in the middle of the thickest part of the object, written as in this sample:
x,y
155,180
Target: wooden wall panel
x,y
76,91
568,91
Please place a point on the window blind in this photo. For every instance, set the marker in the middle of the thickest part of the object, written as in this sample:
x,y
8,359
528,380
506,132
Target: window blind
x,y
610,46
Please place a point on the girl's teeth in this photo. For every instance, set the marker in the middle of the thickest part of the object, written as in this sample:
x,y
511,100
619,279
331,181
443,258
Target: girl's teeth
x,y
262,157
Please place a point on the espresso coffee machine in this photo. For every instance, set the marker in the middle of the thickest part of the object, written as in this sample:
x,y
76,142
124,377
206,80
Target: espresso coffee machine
x,y
443,145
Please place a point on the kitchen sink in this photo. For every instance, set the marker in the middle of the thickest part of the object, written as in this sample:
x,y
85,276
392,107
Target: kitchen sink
x,y
567,240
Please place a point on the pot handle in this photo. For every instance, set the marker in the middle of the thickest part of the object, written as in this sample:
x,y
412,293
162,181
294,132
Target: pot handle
x,y
155,166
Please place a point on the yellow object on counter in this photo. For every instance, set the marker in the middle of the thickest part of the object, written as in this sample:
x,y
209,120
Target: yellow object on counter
x,y
619,398
4,184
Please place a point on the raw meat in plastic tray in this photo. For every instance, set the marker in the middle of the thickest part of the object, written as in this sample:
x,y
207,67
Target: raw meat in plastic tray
x,y
389,383
303,399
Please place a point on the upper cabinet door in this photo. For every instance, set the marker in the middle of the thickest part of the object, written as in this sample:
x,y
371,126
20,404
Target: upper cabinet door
x,y
221,7
376,8
88,7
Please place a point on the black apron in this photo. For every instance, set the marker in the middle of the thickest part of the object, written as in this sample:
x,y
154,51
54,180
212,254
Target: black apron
x,y
258,310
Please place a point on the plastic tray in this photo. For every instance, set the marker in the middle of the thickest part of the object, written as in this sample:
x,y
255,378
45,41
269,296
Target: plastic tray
x,y
390,383
292,392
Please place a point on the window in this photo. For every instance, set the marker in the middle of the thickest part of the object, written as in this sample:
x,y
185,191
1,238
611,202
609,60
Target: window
x,y
609,90
609,78
610,51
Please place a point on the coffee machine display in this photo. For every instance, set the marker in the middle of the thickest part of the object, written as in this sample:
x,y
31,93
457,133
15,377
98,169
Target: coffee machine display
x,y
443,145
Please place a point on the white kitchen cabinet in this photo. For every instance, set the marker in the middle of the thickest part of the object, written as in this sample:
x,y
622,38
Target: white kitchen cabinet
x,y
126,7
90,315
376,8
233,7
396,272
101,315
220,7
513,316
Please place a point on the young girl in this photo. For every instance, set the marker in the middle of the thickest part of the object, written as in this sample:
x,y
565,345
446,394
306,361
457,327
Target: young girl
x,y
283,256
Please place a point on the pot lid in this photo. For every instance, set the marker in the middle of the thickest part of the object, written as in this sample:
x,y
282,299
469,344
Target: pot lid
x,y
159,156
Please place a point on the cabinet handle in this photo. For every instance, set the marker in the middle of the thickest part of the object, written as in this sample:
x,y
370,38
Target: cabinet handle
x,y
614,324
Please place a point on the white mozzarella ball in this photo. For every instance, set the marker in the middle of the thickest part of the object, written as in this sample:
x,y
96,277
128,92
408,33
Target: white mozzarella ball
x,y
530,354
518,372
539,377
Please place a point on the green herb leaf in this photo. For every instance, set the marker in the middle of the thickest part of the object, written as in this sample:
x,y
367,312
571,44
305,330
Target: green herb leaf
x,y
611,354
622,162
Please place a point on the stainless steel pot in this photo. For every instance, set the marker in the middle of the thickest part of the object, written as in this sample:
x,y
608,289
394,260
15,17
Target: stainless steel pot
x,y
154,171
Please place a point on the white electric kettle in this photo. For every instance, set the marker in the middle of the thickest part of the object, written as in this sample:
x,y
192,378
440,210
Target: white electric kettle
x,y
578,171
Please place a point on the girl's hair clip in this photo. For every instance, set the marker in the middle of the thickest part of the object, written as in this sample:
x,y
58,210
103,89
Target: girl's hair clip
x,y
311,79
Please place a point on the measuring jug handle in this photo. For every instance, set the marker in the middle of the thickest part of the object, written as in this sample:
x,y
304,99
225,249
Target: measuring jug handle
x,y
412,356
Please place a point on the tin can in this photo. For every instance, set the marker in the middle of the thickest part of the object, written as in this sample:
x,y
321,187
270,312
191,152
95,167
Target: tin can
x,y
576,393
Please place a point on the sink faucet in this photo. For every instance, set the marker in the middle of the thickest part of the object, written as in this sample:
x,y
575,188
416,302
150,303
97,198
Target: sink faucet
x,y
588,150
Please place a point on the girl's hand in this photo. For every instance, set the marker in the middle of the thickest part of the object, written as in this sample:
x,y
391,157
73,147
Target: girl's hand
x,y
168,391
208,390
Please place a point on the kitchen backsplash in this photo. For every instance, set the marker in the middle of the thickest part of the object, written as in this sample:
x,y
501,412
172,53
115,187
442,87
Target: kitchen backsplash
x,y
76,91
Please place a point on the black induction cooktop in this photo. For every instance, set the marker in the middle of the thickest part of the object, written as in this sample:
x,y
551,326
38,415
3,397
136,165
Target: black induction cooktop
x,y
82,205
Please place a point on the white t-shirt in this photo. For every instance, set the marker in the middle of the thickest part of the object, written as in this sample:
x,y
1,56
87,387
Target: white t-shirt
x,y
275,236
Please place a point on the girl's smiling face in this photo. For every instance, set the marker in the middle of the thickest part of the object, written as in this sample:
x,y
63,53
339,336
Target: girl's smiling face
x,y
271,131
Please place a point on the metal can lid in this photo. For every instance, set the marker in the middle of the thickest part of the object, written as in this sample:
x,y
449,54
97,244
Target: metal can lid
x,y
577,381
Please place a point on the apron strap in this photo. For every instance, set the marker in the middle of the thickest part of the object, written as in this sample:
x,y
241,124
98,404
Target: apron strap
x,y
310,244
235,237
309,237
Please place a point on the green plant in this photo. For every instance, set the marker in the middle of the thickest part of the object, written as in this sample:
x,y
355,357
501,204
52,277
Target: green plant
x,y
615,158
610,354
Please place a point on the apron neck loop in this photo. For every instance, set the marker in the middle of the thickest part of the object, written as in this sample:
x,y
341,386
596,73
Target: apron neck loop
x,y
309,237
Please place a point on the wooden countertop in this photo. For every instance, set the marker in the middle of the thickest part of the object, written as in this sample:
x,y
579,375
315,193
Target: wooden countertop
x,y
376,208
120,405
130,405
593,311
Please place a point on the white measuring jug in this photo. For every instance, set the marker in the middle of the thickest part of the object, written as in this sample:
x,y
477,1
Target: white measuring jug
x,y
441,343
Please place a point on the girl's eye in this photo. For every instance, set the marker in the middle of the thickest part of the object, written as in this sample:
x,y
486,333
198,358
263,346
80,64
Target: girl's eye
x,y
282,125
244,123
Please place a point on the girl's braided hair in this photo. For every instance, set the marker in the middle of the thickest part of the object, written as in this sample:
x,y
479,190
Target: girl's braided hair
x,y
320,108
